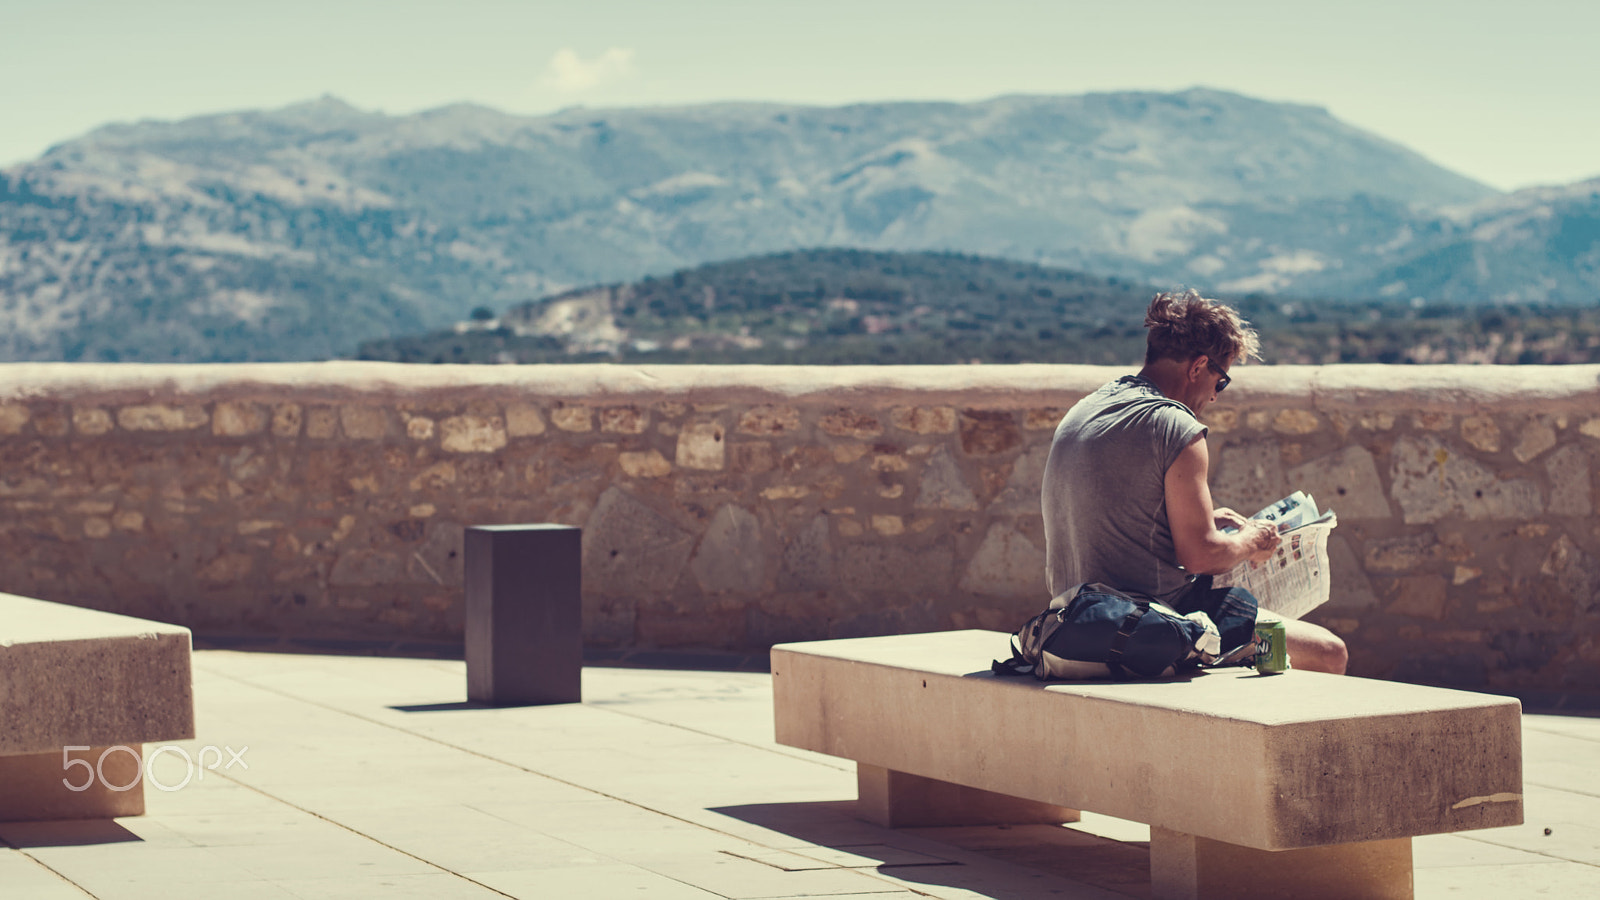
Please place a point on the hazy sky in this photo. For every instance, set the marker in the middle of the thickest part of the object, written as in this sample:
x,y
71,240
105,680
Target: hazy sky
x,y
1504,92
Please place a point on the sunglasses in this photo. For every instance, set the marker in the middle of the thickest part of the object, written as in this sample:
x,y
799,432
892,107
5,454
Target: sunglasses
x,y
1221,382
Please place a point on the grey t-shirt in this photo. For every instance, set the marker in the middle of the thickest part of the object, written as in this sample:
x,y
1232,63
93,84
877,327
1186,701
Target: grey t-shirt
x,y
1104,494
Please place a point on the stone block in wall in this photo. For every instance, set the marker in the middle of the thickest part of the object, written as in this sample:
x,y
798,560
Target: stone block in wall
x,y
364,423
1432,481
13,418
609,621
985,432
1345,481
286,420
732,557
227,568
91,421
942,486
1537,436
439,559
701,446
1418,596
886,618
161,417
808,559
1043,419
768,420
623,420
1349,588
1006,564
924,419
630,548
1295,421
647,464
1220,421
1404,553
322,423
472,434
367,568
896,569
52,420
523,420
1481,432
572,418
888,525
1570,481
844,452
238,419
753,457
1020,496
1248,475
1577,573
852,424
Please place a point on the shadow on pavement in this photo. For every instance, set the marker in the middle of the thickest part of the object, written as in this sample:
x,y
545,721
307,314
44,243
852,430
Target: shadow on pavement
x,y
64,833
1036,855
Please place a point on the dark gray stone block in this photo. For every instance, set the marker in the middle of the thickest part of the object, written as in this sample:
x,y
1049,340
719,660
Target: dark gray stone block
x,y
524,604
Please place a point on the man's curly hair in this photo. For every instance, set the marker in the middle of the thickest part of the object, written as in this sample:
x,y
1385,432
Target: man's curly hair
x,y
1185,325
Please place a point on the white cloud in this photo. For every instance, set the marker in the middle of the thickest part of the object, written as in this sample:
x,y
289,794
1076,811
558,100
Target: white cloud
x,y
570,73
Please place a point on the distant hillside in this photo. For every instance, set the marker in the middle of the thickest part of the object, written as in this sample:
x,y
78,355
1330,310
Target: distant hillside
x,y
298,233
833,306
1535,246
814,306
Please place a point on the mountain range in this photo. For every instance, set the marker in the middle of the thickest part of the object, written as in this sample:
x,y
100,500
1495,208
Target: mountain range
x,y
301,232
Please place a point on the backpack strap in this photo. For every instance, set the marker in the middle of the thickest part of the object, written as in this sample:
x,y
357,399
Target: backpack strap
x,y
1014,667
1124,631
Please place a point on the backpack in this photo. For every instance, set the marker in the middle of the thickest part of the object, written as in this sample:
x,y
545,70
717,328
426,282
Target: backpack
x,y
1094,631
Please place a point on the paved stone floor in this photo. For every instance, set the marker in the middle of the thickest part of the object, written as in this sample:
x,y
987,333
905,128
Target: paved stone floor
x,y
369,777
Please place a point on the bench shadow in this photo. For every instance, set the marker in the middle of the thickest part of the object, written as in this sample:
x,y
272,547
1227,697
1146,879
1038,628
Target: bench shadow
x,y
913,854
65,833
1030,681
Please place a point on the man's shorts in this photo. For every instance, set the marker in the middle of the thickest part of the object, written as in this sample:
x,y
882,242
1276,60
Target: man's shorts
x,y
1232,609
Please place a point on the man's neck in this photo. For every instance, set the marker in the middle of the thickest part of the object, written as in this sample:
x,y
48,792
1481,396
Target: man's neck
x,y
1167,375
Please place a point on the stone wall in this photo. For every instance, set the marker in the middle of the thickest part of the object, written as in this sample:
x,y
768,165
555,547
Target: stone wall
x,y
734,507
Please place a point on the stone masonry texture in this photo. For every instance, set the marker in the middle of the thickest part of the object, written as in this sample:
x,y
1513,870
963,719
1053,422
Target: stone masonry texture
x,y
735,507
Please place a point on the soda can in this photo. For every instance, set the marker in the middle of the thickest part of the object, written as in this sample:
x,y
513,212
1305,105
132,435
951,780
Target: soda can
x,y
1272,653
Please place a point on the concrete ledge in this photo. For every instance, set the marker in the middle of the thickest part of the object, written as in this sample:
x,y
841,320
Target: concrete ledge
x,y
71,676
1348,387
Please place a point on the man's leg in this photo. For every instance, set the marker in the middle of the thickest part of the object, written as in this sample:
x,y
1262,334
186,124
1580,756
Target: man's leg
x,y
1314,648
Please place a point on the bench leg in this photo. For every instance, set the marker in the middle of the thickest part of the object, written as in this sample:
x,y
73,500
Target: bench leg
x,y
1186,867
898,800
32,788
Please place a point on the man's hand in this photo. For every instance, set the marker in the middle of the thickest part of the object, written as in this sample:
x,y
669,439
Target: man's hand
x,y
1262,538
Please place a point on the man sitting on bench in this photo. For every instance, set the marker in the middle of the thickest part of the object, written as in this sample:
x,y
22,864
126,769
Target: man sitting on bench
x,y
1125,497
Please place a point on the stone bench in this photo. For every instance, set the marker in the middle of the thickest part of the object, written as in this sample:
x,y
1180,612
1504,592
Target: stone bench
x,y
1300,784
72,677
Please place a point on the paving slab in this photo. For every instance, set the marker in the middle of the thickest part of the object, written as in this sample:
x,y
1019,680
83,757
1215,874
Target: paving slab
x,y
369,777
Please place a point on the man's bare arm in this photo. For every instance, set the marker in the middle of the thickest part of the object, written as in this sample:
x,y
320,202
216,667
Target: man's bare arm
x,y
1202,548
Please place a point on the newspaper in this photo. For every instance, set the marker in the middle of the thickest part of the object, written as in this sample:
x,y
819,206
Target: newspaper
x,y
1295,580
